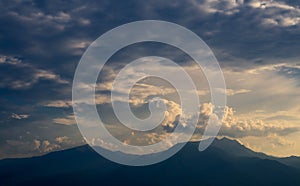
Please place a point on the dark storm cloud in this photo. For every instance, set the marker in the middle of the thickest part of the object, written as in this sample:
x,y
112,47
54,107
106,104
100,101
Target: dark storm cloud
x,y
54,33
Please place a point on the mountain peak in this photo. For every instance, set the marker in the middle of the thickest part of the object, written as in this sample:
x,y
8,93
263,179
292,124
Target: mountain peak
x,y
225,162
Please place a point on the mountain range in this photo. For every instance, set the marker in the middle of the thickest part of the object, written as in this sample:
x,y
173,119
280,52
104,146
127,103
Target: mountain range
x,y
225,162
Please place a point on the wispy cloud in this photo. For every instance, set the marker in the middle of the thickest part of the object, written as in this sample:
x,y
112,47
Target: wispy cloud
x,y
24,75
20,116
69,120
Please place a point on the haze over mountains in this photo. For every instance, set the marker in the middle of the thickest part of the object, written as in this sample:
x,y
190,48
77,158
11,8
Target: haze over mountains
x,y
226,162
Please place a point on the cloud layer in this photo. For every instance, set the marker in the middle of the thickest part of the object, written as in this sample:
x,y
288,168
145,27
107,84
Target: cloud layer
x,y
256,43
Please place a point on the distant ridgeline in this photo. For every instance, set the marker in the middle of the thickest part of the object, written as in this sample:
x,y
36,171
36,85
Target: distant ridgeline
x,y
226,162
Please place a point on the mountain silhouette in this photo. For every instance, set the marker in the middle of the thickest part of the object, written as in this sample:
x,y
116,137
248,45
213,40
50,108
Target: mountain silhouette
x,y
225,162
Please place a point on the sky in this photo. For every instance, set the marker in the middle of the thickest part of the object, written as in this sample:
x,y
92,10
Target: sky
x,y
255,42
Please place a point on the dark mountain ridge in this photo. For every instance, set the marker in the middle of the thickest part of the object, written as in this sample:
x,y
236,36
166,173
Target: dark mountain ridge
x,y
225,162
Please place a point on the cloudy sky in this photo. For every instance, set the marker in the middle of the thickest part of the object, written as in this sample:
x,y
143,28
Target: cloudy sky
x,y
256,43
